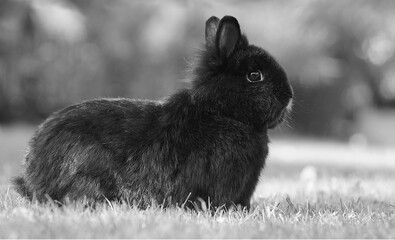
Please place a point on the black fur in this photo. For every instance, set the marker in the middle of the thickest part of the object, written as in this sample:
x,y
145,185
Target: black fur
x,y
207,142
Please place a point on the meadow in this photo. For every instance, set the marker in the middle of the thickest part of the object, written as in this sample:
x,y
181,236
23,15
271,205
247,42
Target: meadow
x,y
309,189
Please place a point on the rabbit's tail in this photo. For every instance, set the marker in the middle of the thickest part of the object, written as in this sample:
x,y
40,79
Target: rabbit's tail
x,y
20,186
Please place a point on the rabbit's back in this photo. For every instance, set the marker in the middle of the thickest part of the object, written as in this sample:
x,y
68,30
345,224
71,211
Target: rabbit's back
x,y
79,150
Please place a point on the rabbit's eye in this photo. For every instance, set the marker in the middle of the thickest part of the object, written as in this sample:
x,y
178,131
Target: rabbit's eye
x,y
255,76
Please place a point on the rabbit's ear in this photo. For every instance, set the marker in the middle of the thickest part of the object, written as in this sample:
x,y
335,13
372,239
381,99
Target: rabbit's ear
x,y
228,35
211,31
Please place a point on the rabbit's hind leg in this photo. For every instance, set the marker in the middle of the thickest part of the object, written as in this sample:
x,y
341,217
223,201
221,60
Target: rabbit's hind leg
x,y
94,186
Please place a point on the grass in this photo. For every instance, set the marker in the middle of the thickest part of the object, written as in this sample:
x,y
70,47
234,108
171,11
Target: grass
x,y
293,200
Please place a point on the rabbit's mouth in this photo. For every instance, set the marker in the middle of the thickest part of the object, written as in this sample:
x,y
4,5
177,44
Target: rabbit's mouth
x,y
281,116
278,120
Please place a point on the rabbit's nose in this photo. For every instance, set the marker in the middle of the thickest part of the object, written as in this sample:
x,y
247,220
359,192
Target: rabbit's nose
x,y
288,91
285,93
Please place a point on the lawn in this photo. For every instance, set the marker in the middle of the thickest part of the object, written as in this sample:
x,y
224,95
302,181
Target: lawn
x,y
308,189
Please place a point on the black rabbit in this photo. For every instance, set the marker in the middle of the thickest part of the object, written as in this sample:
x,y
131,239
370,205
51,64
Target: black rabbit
x,y
208,142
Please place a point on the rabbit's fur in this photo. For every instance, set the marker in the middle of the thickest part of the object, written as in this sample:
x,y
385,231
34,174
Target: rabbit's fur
x,y
208,142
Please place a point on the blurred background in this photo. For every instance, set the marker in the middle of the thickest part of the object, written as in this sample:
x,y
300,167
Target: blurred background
x,y
339,56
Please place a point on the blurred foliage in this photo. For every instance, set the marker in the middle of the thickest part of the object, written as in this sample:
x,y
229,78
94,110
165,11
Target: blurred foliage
x,y
339,55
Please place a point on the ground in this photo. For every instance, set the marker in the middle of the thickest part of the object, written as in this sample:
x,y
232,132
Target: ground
x,y
309,189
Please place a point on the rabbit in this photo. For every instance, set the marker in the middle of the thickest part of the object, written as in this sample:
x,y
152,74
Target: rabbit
x,y
205,143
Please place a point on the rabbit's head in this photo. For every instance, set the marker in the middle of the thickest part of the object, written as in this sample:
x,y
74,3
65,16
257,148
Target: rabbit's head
x,y
239,80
